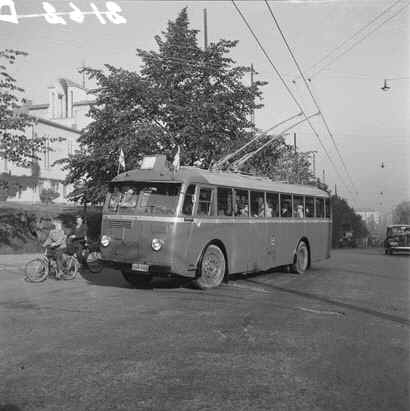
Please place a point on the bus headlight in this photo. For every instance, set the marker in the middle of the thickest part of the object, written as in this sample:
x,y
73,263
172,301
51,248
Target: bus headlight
x,y
105,240
157,244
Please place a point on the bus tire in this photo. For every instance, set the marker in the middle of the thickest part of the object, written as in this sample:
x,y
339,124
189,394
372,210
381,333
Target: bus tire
x,y
301,259
211,269
137,280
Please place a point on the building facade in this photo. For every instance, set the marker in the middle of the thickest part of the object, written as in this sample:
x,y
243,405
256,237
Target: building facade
x,y
60,121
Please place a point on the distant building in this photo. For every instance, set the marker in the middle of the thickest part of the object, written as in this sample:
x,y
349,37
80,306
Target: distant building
x,y
60,121
372,220
369,216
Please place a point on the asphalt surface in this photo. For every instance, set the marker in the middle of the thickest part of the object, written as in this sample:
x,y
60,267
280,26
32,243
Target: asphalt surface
x,y
336,338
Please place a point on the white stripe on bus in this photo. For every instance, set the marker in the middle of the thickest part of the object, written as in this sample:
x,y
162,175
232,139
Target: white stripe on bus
x,y
197,220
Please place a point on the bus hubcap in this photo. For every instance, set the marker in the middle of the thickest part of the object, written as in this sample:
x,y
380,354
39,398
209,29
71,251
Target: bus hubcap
x,y
213,266
302,258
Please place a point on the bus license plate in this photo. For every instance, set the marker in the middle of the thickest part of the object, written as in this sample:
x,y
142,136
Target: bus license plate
x,y
139,267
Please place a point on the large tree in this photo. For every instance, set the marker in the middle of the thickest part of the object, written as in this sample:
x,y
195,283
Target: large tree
x,y
182,96
401,213
15,145
345,219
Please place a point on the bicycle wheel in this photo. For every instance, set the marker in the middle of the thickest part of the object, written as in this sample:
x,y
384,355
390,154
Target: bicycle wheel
x,y
37,270
70,268
94,262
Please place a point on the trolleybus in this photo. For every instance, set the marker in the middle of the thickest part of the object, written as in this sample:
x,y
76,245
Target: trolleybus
x,y
207,225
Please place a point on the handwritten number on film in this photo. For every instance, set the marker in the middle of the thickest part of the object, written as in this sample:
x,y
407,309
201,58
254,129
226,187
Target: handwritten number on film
x,y
52,16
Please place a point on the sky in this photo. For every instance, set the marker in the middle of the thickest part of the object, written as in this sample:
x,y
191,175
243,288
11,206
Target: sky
x,y
369,126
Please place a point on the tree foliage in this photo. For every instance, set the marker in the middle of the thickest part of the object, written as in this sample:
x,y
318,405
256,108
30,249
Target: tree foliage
x,y
345,219
182,96
15,145
401,213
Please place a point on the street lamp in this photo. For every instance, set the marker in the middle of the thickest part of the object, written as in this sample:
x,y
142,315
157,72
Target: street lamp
x,y
385,86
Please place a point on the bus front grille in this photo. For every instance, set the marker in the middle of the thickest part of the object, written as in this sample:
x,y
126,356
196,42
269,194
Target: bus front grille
x,y
121,223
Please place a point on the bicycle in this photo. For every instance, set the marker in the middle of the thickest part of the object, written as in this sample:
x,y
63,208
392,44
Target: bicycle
x,y
38,269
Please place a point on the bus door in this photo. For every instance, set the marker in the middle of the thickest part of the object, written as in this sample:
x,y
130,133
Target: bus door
x,y
198,209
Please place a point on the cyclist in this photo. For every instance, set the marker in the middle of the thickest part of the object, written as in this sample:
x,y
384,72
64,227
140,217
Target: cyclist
x,y
78,237
56,245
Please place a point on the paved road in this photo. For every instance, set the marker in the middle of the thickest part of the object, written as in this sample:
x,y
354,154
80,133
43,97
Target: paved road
x,y
336,338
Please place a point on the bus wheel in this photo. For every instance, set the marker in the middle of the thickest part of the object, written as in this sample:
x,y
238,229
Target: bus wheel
x,y
211,268
136,279
301,261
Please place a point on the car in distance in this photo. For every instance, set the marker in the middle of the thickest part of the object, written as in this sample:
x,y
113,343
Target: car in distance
x,y
397,239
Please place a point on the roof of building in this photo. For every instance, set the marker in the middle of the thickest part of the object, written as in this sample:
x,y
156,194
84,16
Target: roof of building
x,y
221,178
70,83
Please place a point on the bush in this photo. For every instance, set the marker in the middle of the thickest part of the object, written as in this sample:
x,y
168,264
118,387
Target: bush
x,y
48,195
26,230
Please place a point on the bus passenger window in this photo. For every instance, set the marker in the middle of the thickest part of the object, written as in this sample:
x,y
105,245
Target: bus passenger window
x,y
224,201
188,206
309,207
320,209
205,202
286,205
257,204
298,207
327,208
241,203
272,202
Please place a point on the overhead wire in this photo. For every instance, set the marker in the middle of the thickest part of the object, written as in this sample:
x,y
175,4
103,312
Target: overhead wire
x,y
290,92
355,34
338,56
311,95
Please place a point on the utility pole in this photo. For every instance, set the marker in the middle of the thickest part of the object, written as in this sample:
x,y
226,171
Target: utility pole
x,y
296,158
314,164
252,83
205,30
324,176
335,190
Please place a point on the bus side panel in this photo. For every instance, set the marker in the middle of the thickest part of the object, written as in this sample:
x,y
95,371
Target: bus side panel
x,y
199,234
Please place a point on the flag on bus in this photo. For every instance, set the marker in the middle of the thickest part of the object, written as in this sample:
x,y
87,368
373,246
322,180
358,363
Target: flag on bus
x,y
177,160
121,160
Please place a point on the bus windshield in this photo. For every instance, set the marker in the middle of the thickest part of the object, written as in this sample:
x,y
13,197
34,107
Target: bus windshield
x,y
143,198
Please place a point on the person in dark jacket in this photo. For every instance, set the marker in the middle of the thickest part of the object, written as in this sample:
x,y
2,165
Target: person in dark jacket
x,y
78,236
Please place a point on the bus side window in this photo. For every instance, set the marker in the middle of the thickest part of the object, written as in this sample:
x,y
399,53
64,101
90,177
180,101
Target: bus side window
x,y
298,207
309,207
327,208
205,202
272,202
320,210
257,204
241,203
224,201
189,199
285,205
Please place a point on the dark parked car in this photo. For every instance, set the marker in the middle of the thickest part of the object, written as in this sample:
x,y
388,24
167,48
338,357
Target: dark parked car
x,y
397,238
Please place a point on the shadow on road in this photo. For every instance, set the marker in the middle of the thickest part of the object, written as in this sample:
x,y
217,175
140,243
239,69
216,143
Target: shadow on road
x,y
113,278
327,300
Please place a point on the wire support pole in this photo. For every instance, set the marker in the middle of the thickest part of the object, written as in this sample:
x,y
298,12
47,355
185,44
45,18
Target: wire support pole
x,y
289,91
299,68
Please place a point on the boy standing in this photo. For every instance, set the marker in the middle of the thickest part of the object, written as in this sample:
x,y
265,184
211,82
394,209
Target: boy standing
x,y
56,244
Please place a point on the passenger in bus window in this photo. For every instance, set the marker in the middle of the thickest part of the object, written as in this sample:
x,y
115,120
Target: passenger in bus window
x,y
300,211
261,207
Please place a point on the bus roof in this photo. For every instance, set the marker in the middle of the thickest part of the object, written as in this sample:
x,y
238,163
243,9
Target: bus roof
x,y
219,178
